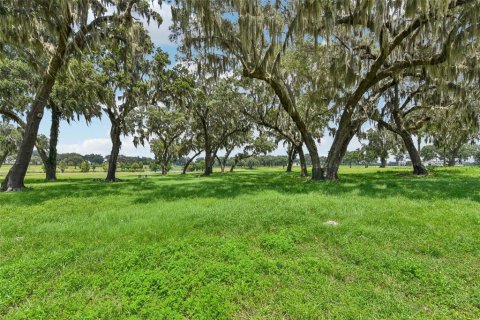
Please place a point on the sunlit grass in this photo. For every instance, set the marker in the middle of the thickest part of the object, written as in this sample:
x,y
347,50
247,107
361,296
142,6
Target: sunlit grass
x,y
253,244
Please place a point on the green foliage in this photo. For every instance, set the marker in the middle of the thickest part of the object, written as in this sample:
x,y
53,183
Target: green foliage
x,y
153,166
247,245
10,139
85,166
63,165
429,152
136,166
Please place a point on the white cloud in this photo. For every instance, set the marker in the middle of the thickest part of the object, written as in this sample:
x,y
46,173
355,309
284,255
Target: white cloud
x,y
103,146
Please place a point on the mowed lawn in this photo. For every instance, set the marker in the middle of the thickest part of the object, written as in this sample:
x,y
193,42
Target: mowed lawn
x,y
247,245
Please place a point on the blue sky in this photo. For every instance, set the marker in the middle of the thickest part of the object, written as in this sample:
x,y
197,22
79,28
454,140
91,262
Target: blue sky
x,y
94,138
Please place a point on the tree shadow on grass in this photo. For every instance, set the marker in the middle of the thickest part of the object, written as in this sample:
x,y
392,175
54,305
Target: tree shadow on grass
x,y
372,185
383,184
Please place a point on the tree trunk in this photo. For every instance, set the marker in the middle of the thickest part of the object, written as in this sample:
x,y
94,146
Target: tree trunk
x,y
223,162
43,155
208,161
292,154
453,156
451,161
51,163
14,181
3,157
303,163
222,165
345,133
115,133
185,167
164,170
418,167
419,142
383,162
287,99
234,165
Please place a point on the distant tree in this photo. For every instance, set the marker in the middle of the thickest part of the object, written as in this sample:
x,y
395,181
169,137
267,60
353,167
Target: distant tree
x,y
429,152
379,143
167,127
450,130
135,166
73,159
353,157
10,138
476,154
153,166
216,110
258,145
94,158
85,166
466,152
63,166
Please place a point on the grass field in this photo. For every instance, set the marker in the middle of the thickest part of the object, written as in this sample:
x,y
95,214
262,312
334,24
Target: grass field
x,y
248,245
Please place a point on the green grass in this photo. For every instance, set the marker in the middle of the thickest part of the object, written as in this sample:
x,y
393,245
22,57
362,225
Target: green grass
x,y
248,245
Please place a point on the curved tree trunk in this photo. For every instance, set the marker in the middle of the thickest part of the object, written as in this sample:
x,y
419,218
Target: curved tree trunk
x,y
303,163
418,167
185,167
345,133
51,163
115,133
286,97
223,162
14,180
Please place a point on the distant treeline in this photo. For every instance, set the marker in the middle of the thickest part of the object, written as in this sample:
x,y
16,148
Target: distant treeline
x,y
75,159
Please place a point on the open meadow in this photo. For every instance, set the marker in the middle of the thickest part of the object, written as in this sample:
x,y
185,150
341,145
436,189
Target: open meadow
x,y
252,244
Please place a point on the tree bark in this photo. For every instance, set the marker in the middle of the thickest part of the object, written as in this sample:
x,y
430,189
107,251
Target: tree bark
x,y
223,162
345,133
383,162
303,163
51,163
418,167
185,167
453,156
234,165
14,181
115,133
292,154
208,161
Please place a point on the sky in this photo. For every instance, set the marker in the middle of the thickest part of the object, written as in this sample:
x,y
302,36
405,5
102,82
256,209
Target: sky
x,y
84,139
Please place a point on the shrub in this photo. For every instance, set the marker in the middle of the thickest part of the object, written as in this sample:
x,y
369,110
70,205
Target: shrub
x,y
62,165
153,166
85,166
